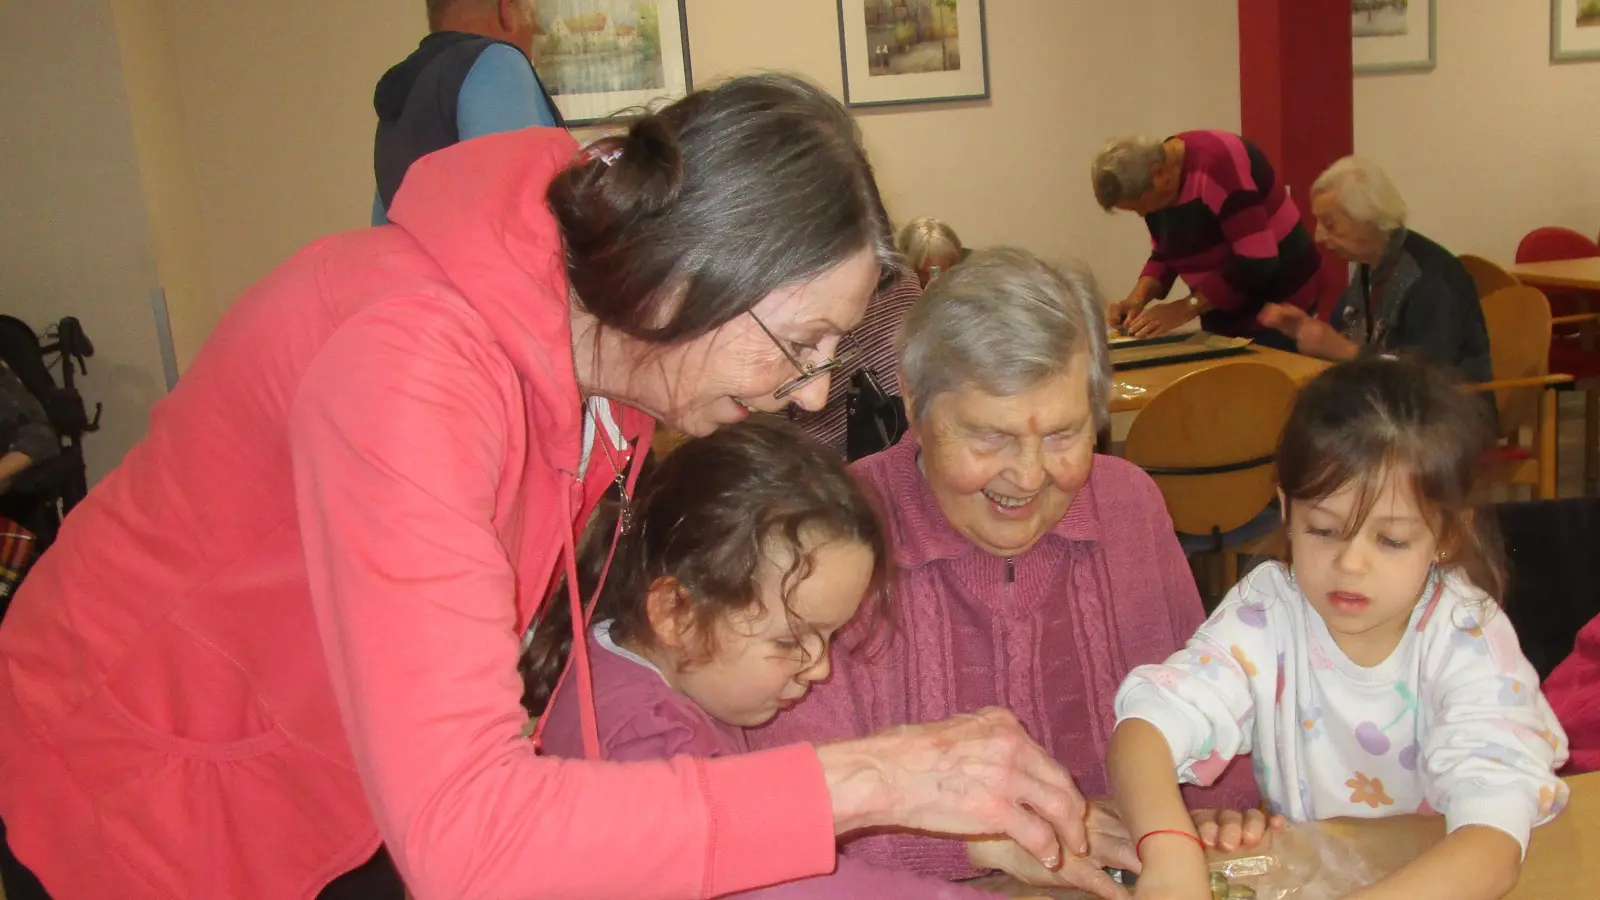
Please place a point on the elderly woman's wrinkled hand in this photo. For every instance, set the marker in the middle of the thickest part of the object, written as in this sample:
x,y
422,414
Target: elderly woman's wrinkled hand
x,y
1281,318
1119,312
976,774
1159,318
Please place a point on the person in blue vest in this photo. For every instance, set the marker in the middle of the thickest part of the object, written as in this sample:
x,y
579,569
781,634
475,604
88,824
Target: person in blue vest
x,y
471,76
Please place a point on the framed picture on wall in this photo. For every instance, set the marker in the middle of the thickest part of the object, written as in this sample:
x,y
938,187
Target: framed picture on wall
x,y
598,57
913,51
1393,36
1574,30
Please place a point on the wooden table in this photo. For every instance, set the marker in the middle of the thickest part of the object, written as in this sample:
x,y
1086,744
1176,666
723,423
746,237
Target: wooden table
x,y
1582,274
1563,859
1132,389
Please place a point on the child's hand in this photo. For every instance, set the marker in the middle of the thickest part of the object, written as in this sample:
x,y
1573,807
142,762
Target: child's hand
x,y
1229,830
1081,872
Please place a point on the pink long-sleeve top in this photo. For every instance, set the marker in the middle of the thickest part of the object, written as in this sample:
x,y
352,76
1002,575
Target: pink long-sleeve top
x,y
642,718
1573,690
286,627
1048,634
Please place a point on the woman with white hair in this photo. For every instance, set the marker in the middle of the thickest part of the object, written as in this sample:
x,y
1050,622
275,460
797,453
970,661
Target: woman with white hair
x,y
930,247
1034,574
1406,293
1220,218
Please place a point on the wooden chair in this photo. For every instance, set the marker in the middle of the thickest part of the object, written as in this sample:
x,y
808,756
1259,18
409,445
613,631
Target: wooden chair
x,y
1209,441
1575,345
1519,322
1487,275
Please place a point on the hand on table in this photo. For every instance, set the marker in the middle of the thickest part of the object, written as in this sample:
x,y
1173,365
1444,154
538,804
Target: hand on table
x,y
1229,829
1121,311
1312,336
1284,319
1158,319
976,774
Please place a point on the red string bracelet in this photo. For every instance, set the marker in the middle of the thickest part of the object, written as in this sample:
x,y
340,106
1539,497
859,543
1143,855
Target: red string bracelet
x,y
1139,847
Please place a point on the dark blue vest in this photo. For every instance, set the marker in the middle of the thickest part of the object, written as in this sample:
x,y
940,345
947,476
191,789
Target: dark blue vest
x,y
416,104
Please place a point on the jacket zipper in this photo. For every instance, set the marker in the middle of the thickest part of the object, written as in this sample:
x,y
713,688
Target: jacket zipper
x,y
1011,571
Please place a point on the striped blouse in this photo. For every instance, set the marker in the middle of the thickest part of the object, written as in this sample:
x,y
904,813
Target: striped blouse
x,y
1234,235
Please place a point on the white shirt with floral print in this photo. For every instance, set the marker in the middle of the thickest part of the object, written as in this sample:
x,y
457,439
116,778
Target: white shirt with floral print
x,y
1452,722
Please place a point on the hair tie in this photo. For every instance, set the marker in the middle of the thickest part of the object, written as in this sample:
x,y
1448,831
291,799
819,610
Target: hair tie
x,y
605,154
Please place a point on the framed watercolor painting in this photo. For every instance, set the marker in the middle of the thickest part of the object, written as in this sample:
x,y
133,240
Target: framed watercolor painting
x,y
1393,36
597,57
1574,30
913,51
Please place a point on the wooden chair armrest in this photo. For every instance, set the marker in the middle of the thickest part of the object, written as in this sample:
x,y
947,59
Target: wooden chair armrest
x,y
1575,318
1510,383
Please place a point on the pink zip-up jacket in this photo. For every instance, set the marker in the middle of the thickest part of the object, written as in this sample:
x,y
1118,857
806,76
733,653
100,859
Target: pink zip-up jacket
x,y
642,718
1048,635
287,626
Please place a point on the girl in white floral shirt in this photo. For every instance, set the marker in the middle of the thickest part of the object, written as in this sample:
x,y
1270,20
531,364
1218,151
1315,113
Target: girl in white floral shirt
x,y
1376,676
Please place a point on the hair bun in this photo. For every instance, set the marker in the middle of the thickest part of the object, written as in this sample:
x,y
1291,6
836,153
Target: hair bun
x,y
648,174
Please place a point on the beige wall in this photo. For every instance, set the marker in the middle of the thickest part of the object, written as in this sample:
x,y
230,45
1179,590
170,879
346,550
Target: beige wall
x,y
1494,142
279,118
1064,75
74,238
155,103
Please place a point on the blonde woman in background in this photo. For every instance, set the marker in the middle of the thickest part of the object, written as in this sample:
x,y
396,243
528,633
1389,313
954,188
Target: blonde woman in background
x,y
929,246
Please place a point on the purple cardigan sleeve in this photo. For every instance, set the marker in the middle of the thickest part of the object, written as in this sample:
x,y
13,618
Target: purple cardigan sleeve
x,y
866,694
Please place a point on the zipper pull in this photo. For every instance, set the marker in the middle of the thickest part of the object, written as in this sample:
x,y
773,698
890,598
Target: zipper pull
x,y
1011,571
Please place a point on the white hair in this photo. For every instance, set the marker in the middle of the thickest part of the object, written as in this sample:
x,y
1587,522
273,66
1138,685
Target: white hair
x,y
1004,321
1364,192
1121,170
927,239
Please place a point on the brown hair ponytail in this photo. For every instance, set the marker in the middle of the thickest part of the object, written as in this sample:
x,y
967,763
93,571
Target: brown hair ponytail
x,y
715,201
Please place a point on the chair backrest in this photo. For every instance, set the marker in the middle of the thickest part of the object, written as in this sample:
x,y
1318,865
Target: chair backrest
x,y
1225,419
1486,275
1518,321
1551,243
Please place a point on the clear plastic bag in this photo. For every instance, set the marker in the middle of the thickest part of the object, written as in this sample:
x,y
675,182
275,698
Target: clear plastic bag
x,y
1304,864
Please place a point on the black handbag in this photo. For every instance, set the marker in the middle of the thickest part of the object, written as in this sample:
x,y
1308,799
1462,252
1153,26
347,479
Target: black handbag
x,y
874,418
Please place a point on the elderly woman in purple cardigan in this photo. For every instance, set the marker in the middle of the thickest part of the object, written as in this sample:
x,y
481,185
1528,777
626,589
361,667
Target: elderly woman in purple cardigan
x,y
1034,574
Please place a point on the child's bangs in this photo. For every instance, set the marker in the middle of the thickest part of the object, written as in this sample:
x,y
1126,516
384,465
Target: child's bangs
x,y
1367,475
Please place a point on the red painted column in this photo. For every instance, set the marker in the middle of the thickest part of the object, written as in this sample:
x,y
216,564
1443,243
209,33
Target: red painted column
x,y
1295,95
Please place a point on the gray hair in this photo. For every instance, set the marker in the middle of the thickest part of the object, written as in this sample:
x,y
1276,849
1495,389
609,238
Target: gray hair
x,y
1004,321
1364,192
1121,170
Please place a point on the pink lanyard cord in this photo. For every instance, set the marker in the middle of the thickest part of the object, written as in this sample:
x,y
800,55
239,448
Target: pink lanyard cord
x,y
578,658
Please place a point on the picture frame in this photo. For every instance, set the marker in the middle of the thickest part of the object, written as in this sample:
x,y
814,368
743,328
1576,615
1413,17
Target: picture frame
x,y
898,52
1394,36
599,57
1574,31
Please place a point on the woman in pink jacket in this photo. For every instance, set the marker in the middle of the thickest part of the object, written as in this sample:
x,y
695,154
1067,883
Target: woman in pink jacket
x,y
283,634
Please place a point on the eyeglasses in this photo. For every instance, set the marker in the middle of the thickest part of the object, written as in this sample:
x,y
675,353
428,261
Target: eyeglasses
x,y
844,356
